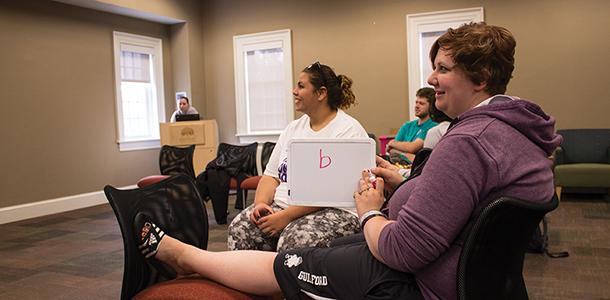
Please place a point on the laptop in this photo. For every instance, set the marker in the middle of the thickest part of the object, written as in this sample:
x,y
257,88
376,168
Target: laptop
x,y
325,172
191,117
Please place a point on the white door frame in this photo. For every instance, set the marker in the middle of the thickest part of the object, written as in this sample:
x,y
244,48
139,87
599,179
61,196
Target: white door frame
x,y
418,24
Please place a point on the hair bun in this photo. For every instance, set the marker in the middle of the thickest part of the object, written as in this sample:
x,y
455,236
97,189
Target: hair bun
x,y
347,96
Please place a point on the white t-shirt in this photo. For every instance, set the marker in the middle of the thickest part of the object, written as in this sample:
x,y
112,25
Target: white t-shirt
x,y
342,126
435,134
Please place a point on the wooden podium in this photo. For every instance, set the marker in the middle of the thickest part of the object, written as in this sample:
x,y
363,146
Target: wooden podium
x,y
203,134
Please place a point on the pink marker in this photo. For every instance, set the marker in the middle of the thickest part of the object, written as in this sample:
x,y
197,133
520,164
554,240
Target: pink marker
x,y
372,179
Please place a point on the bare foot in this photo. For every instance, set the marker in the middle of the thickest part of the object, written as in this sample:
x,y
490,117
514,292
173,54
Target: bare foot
x,y
169,252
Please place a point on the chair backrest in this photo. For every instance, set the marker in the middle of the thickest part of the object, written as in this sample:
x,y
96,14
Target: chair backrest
x,y
175,205
177,160
491,261
235,159
585,145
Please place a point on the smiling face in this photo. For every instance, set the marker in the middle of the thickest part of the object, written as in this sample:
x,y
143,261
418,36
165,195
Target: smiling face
x,y
455,92
306,98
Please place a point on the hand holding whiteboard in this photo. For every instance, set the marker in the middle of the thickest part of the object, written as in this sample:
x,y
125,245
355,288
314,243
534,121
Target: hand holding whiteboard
x,y
325,172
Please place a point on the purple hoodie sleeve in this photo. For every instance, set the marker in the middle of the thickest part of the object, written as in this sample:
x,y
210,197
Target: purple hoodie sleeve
x,y
439,205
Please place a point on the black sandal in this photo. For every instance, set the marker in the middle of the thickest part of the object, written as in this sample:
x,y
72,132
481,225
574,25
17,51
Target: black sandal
x,y
148,237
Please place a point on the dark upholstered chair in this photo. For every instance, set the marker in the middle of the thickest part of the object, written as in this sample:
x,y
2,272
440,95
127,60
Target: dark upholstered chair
x,y
175,205
196,288
583,160
177,160
263,152
172,160
491,262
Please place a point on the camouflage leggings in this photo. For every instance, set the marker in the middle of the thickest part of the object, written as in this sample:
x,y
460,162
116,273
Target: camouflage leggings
x,y
317,229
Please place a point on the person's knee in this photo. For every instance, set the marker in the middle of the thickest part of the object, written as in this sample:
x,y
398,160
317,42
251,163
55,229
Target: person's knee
x,y
296,237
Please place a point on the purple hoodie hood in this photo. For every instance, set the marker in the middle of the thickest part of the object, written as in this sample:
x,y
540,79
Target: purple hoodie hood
x,y
525,116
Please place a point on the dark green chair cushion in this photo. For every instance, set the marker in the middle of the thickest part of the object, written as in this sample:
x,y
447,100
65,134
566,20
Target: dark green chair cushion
x,y
583,175
583,160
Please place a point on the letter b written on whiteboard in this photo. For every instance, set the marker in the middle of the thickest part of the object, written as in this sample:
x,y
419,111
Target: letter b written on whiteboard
x,y
322,157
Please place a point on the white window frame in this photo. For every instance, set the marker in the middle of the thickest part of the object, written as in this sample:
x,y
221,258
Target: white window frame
x,y
418,24
248,42
154,47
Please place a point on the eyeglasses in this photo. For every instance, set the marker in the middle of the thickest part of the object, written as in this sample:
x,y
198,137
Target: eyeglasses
x,y
317,67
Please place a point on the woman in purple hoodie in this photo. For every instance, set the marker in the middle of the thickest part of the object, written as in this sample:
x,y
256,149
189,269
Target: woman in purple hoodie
x,y
496,146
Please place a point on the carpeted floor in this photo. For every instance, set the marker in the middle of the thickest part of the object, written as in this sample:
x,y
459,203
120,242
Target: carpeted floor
x,y
79,254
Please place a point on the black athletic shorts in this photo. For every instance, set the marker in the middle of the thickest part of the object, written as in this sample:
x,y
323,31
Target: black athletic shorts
x,y
342,272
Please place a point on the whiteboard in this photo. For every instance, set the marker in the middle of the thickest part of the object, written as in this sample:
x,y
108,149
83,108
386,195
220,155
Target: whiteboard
x,y
325,172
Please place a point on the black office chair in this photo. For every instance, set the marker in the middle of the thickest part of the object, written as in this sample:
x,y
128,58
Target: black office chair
x,y
175,206
175,160
491,262
172,160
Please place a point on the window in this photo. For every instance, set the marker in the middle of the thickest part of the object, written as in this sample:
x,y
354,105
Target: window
x,y
263,84
422,31
139,90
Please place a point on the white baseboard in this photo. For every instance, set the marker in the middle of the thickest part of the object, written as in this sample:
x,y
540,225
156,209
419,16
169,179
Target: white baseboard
x,y
53,206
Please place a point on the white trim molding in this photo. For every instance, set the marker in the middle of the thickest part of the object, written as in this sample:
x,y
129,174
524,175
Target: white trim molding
x,y
139,145
155,104
242,44
430,22
53,206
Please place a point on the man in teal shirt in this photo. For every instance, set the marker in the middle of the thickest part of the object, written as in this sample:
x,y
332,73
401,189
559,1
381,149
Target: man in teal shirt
x,y
411,136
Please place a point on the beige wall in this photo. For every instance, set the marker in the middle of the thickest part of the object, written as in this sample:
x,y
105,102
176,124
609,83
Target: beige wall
x,y
561,52
57,95
57,88
185,44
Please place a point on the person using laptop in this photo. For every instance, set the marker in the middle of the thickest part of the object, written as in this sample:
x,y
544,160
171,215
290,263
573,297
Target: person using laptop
x,y
270,223
411,250
184,108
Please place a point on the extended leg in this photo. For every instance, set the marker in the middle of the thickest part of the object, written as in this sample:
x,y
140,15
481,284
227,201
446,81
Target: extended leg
x,y
247,271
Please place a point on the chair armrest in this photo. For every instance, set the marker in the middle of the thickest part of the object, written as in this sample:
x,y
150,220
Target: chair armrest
x,y
558,157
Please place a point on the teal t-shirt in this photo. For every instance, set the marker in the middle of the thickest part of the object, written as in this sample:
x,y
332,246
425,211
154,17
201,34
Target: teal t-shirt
x,y
411,131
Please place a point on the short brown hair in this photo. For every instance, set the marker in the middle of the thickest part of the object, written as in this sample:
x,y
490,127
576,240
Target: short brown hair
x,y
428,93
486,53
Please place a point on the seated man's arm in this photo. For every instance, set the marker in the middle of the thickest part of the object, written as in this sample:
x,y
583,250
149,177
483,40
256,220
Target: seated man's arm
x,y
406,147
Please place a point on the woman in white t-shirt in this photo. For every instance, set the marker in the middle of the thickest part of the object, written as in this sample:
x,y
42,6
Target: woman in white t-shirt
x,y
435,133
270,223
